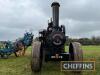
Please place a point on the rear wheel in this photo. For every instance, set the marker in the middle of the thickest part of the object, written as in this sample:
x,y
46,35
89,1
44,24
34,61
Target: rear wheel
x,y
76,53
75,50
36,61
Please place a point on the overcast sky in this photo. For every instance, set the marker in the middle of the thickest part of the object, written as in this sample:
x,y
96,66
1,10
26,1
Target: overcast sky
x,y
81,17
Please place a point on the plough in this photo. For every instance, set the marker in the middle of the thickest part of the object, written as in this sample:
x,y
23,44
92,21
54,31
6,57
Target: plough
x,y
8,50
15,47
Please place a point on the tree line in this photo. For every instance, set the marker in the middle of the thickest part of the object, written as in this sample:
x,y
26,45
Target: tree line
x,y
86,41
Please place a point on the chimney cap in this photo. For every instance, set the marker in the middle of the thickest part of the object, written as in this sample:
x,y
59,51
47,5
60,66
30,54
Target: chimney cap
x,y
55,4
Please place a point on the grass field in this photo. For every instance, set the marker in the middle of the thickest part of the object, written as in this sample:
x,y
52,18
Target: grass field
x,y
21,65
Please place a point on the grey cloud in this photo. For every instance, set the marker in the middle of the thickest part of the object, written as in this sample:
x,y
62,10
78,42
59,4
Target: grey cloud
x,y
84,10
81,28
81,17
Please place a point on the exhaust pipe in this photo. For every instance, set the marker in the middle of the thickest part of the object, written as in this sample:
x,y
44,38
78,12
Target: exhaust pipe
x,y
55,12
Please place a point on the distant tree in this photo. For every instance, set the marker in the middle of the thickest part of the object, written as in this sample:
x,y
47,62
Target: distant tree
x,y
86,41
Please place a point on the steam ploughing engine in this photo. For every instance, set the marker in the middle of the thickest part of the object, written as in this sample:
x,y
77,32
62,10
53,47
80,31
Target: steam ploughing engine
x,y
51,44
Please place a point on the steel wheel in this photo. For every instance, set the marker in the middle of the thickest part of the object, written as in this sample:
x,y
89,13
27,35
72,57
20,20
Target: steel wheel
x,y
75,50
36,61
76,54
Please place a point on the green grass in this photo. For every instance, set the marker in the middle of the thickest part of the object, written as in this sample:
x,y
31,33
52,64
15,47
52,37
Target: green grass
x,y
21,65
91,47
